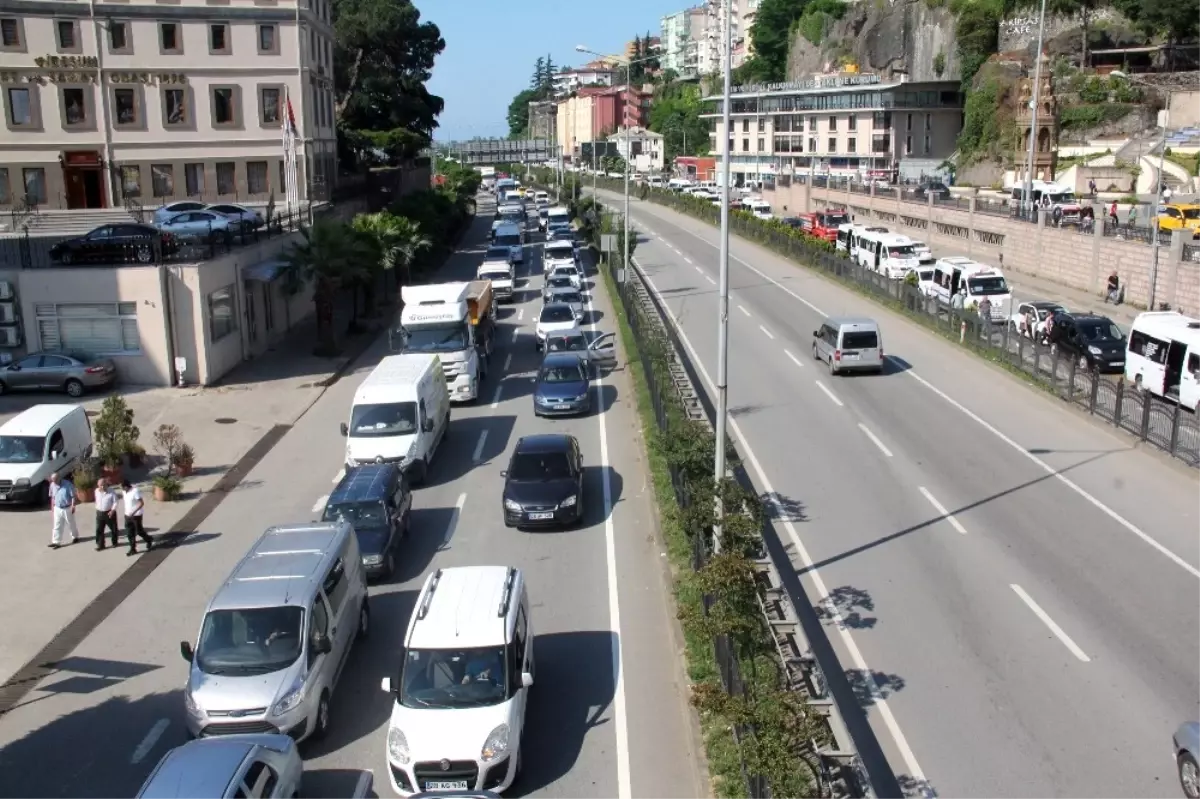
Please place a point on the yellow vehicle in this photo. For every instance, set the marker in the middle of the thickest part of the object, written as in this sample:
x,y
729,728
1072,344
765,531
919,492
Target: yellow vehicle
x,y
1180,217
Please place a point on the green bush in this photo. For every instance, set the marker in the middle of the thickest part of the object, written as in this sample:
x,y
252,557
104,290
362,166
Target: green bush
x,y
1082,117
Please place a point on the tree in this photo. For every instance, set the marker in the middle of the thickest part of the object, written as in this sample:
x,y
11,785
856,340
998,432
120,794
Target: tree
x,y
675,114
518,113
394,242
1177,20
324,259
539,75
772,35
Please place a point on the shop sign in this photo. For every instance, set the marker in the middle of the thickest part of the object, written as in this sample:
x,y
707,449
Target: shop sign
x,y
67,62
65,69
820,82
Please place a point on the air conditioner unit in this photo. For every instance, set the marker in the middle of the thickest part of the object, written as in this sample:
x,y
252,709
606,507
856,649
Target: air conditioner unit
x,y
8,313
6,290
10,336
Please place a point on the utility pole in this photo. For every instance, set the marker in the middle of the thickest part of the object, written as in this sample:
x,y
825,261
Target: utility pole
x,y
723,323
1037,93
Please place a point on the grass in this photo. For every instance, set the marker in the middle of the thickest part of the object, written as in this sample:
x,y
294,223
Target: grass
x,y
1188,162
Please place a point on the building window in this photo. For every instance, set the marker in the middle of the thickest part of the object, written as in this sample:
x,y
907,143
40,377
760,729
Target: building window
x,y
174,107
257,177
10,34
812,145
852,122
118,37
833,144
268,98
193,178
34,179
832,124
283,175
168,38
226,178
908,145
218,38
162,179
928,122
762,125
68,35
74,102
125,103
745,126
909,122
268,40
131,181
107,328
762,145
5,188
926,144
852,145
20,108
745,145
221,317
224,108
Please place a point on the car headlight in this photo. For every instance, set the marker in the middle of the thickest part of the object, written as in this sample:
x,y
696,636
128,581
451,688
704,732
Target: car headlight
x,y
1094,350
581,397
397,747
496,745
569,502
190,703
291,699
512,505
372,560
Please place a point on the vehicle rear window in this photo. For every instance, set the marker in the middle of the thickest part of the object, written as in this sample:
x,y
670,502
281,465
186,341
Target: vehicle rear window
x,y
496,254
860,340
558,313
509,241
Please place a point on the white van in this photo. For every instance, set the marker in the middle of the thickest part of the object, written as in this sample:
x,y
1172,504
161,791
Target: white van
x,y
400,414
512,237
889,254
558,215
1163,356
761,209
953,273
35,444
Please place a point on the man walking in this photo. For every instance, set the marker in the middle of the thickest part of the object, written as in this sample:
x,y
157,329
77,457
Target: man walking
x,y
106,513
135,508
62,506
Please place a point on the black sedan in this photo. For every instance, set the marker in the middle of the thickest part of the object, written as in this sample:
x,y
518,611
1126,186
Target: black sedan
x,y
939,191
543,485
129,242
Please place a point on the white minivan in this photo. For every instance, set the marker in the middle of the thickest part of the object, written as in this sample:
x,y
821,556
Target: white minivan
x,y
399,414
38,442
1163,356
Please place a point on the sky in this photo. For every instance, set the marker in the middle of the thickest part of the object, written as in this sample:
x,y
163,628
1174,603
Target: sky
x,y
491,47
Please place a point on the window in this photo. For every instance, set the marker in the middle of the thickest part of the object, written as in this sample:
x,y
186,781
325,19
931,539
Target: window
x,y
268,40
94,329
20,108
852,145
35,184
926,144
174,107
162,180
218,38
5,187
10,33
762,125
224,111
193,178
745,145
832,145
318,625
928,122
118,37
269,105
909,124
222,320
832,124
131,181
282,175
226,182
125,103
761,145
168,37
68,41
336,586
812,144
257,179
745,126
852,122
74,106
908,145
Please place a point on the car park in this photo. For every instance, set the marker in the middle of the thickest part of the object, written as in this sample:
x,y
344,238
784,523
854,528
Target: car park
x,y
849,344
561,387
555,317
376,500
1093,340
543,484
264,766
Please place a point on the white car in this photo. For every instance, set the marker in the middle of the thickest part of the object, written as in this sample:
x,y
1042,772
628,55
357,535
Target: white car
x,y
555,317
567,270
925,280
570,295
1038,311
924,254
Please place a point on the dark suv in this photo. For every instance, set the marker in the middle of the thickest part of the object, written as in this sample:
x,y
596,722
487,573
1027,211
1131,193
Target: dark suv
x,y
376,500
1093,339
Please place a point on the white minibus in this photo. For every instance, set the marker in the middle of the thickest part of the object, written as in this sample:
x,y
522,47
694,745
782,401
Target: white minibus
x,y
1163,356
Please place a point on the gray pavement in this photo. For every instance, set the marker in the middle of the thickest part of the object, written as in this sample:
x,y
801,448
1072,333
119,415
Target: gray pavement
x,y
1016,585
96,727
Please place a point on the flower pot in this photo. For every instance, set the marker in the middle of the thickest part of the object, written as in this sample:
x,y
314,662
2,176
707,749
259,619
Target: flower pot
x,y
85,494
160,495
183,469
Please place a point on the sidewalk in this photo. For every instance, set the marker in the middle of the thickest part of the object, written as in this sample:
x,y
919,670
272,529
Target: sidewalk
x,y
1027,287
49,588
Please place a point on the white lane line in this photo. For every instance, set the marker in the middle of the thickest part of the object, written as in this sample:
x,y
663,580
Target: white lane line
x,y
843,631
687,260
320,506
337,478
507,362
520,314
874,439
829,394
449,534
795,360
710,280
363,786
479,446
496,396
677,252
698,269
147,744
742,308
770,335
940,508
516,333
1049,622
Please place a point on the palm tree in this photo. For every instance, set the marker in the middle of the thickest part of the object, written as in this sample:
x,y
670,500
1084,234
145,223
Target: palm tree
x,y
324,259
397,240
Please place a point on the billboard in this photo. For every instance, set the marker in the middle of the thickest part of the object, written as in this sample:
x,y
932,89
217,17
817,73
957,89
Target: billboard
x,y
597,149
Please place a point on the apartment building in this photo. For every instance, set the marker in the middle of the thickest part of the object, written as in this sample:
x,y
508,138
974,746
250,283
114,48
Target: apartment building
x,y
592,113
709,58
642,148
152,102
682,34
597,73
837,124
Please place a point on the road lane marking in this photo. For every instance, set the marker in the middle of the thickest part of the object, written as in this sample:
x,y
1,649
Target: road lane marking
x,y
516,332
1049,622
823,596
677,252
496,395
364,783
874,439
698,269
795,360
479,446
520,314
453,523
829,394
940,508
770,335
507,363
337,478
320,506
147,744
687,260
742,308
710,280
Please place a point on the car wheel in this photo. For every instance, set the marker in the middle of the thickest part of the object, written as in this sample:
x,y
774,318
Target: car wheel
x,y
816,357
1189,775
832,368
66,259
364,612
74,388
321,728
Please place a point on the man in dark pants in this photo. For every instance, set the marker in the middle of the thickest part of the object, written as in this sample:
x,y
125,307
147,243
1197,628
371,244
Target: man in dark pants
x,y
135,507
106,513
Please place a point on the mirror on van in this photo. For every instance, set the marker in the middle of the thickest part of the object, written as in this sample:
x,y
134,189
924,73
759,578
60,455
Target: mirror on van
x,y
427,426
386,685
816,334
345,430
322,645
526,680
185,649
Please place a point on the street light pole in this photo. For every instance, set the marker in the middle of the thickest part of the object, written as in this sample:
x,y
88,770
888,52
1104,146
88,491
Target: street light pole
x,y
723,313
1037,91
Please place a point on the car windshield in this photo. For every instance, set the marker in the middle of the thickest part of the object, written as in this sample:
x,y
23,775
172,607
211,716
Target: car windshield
x,y
536,467
250,640
564,272
435,339
386,419
509,241
21,449
359,514
543,213
860,340
494,273
451,678
496,254
1101,332
833,220
925,274
560,250
566,344
980,286
562,373
558,282
557,313
902,251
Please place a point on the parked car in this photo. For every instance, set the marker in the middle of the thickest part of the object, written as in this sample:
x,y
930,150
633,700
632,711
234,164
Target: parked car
x,y
74,373
167,211
203,225
940,191
121,243
249,217
263,765
1038,312
562,387
1094,340
1186,743
543,484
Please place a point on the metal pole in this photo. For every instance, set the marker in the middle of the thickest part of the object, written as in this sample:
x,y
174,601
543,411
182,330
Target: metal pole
x,y
1162,161
625,136
723,329
1037,91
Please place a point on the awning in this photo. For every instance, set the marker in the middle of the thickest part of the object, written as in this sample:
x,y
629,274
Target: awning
x,y
265,271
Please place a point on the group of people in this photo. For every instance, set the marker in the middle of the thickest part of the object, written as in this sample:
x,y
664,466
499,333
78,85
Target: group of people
x,y
64,499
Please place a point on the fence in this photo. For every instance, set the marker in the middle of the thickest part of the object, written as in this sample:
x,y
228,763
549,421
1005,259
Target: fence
x,y
1164,425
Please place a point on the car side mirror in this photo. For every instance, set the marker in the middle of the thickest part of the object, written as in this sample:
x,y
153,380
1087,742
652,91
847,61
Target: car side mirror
x,y
16,367
386,685
344,429
322,644
427,426
816,334
185,649
526,680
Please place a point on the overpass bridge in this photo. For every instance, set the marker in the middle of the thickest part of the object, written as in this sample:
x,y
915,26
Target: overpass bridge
x,y
483,152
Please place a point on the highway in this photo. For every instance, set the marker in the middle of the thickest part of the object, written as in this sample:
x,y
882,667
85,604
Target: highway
x,y
1012,589
609,715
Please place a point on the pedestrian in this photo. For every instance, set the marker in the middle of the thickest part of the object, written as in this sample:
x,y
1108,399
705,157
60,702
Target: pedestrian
x,y
135,509
1114,289
985,310
62,507
956,302
106,513
1092,187
1132,215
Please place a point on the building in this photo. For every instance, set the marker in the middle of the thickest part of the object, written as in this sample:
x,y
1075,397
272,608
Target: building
x,y
709,56
593,113
642,148
152,102
652,46
543,120
596,73
838,124
681,35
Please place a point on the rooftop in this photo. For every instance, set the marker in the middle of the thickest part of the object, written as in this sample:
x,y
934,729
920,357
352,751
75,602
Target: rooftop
x,y
37,420
463,610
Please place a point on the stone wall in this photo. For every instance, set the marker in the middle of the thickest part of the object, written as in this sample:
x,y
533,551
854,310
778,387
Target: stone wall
x,y
1079,261
1020,32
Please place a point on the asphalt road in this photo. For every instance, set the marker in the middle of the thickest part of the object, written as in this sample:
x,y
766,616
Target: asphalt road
x,y
99,724
1011,588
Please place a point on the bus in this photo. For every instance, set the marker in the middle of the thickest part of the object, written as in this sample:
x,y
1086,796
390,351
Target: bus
x,y
1162,356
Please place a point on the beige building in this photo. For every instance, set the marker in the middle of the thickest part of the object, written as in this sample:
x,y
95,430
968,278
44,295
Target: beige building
x,y
576,115
152,102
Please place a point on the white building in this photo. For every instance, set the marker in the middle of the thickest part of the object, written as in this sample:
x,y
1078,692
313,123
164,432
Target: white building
x,y
682,35
594,74
646,148
712,47
152,102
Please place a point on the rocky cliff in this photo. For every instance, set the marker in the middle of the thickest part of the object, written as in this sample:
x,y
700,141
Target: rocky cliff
x,y
884,37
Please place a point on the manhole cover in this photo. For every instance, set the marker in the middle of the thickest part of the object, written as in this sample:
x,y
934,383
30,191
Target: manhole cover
x,y
225,420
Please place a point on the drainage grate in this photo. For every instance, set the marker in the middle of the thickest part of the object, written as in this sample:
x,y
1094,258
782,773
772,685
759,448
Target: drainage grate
x,y
225,420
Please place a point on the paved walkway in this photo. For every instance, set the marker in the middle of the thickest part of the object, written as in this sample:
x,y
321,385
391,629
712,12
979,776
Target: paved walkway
x,y
48,588
1026,287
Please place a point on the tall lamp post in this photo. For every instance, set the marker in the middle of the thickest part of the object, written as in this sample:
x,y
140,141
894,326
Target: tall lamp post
x,y
1037,91
723,318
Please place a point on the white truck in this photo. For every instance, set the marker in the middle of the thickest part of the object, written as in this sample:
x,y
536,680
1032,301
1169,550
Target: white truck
x,y
454,321
497,267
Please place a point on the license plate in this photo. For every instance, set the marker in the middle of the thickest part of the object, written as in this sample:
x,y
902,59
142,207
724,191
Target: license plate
x,y
447,785
540,516
562,407
850,356
3,496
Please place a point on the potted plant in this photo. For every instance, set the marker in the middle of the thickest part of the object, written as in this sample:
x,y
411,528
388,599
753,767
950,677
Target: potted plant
x,y
85,479
184,460
114,433
135,456
167,488
168,440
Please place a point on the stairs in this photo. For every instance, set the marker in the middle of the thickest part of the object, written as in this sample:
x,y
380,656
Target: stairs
x,y
75,222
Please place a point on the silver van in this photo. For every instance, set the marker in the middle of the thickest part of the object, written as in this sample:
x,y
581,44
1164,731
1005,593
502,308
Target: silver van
x,y
277,634
849,345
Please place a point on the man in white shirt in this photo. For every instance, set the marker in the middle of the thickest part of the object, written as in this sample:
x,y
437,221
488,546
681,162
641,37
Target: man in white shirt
x,y
106,513
135,508
62,506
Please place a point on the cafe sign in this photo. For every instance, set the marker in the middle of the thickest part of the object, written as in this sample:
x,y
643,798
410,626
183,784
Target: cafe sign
x,y
66,69
820,82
